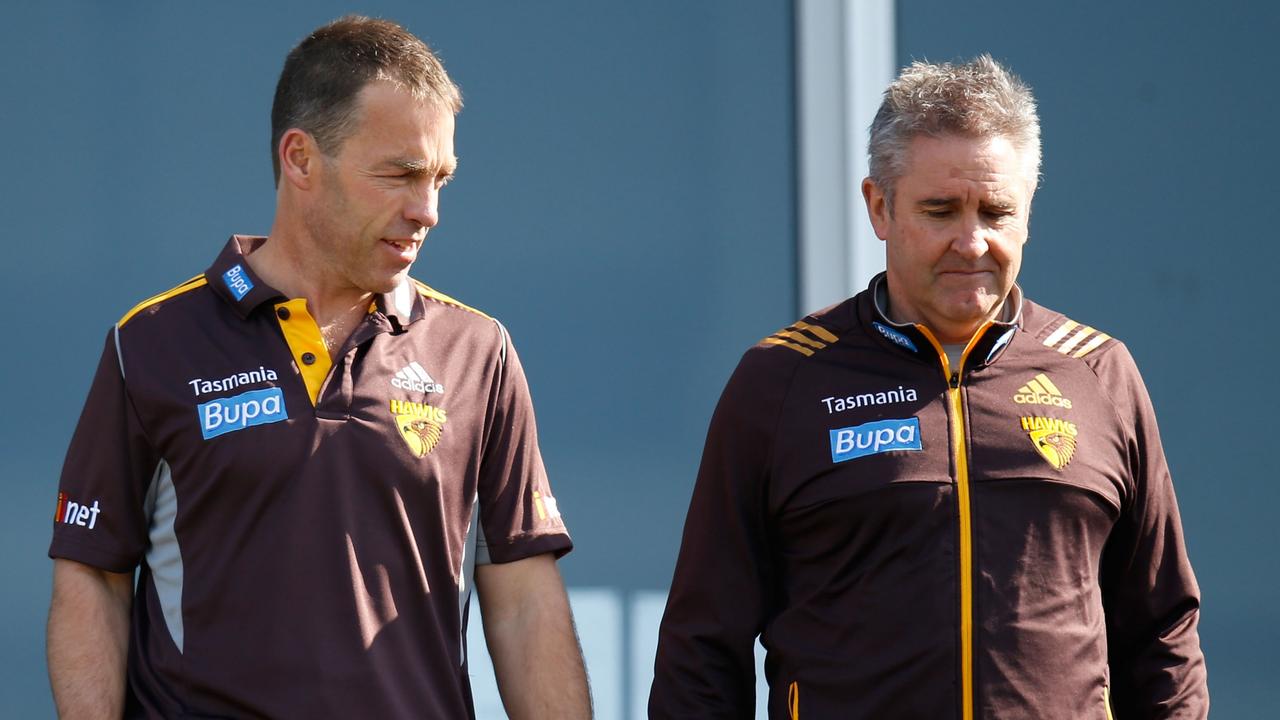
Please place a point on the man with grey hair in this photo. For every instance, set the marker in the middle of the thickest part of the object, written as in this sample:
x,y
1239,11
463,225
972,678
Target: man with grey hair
x,y
308,457
937,498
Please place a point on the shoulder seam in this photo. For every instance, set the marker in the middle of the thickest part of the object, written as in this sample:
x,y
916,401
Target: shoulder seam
x,y
775,431
431,293
1122,419
802,337
1075,340
186,286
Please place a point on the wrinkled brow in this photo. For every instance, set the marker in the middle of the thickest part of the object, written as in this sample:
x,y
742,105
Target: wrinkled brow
x,y
424,167
998,203
938,201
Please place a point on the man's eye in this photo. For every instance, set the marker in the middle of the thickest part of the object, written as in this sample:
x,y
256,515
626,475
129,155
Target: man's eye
x,y
938,213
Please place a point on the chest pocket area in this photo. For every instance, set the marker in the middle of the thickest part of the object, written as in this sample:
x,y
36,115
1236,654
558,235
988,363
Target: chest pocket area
x,y
858,471
1049,447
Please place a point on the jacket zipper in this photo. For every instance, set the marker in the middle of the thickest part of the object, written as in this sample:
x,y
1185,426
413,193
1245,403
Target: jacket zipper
x,y
960,454
966,546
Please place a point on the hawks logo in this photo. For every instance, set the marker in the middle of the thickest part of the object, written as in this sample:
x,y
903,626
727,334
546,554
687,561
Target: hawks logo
x,y
420,425
1054,439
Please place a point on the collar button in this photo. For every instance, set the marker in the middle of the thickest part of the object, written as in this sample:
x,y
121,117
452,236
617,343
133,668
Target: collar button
x,y
282,313
308,358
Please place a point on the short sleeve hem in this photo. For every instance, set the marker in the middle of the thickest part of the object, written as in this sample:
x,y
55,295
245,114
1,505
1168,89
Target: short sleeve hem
x,y
94,556
525,546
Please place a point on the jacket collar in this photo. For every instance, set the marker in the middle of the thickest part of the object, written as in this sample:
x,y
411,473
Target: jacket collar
x,y
239,286
984,348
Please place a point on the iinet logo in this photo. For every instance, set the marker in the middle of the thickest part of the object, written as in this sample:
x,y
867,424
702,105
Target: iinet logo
x,y
74,513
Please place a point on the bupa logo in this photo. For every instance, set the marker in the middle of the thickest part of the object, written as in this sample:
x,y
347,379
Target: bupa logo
x,y
894,336
873,438
237,281
256,407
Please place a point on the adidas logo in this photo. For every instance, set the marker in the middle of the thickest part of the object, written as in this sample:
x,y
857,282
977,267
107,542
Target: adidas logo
x,y
1041,391
414,377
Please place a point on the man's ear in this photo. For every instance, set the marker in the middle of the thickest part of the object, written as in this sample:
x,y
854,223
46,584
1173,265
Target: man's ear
x,y
299,158
877,207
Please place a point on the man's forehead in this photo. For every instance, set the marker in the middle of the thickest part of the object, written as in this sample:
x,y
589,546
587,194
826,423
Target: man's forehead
x,y
400,93
389,104
395,127
953,163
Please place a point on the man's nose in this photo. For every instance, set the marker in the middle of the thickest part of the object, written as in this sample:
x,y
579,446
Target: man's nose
x,y
971,239
423,208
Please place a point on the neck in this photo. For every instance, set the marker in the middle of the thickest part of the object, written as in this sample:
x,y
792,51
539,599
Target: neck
x,y
284,263
945,333
958,334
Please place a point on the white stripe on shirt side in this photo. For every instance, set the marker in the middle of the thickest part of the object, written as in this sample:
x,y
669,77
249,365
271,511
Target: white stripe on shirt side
x,y
119,355
466,574
164,557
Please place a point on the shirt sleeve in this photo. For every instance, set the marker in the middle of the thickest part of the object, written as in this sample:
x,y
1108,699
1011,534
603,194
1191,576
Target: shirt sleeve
x,y
1150,594
101,518
519,517
705,663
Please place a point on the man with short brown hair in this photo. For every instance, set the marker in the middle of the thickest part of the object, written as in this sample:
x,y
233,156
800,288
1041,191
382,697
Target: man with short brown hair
x,y
308,456
936,499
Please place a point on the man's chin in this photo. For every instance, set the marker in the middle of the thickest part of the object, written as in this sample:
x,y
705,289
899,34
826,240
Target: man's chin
x,y
974,312
387,283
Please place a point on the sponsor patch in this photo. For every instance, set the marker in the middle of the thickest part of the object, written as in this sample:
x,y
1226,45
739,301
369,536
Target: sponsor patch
x,y
237,281
71,512
883,397
1054,439
420,425
201,386
414,377
1040,390
894,336
229,414
546,506
873,438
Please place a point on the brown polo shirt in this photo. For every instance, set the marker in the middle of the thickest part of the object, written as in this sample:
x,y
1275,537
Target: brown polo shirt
x,y
305,529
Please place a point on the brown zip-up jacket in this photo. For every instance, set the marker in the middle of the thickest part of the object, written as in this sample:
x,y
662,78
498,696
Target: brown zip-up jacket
x,y
914,540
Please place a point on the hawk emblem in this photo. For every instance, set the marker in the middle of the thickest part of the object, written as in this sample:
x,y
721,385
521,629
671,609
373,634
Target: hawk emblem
x,y
421,435
1055,446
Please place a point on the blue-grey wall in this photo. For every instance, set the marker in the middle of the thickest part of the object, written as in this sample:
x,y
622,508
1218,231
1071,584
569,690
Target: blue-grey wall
x,y
1156,223
624,204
